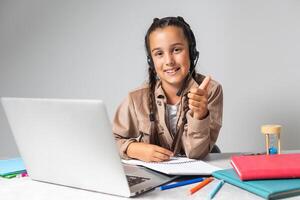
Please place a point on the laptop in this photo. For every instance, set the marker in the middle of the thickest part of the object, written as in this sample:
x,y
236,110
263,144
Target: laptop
x,y
70,142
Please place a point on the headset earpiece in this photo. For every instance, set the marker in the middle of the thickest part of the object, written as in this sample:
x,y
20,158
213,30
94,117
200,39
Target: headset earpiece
x,y
194,54
149,61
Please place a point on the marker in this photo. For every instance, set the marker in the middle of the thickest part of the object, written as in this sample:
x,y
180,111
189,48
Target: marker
x,y
24,174
10,176
181,183
216,189
201,185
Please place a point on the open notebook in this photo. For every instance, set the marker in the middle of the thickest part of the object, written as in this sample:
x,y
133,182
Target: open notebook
x,y
177,166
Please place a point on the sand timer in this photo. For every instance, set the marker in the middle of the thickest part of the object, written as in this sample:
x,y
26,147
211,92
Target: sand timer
x,y
272,137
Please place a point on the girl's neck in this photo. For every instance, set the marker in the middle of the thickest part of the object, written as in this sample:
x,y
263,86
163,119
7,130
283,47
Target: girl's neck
x,y
171,93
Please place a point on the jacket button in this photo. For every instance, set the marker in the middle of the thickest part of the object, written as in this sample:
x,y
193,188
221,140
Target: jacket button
x,y
159,103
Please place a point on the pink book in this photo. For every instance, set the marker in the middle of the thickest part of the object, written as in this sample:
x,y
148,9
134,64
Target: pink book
x,y
277,166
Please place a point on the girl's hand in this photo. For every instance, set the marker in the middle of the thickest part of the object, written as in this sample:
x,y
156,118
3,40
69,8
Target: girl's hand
x,y
148,152
198,100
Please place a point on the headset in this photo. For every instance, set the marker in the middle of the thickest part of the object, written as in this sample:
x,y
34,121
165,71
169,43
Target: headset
x,y
194,54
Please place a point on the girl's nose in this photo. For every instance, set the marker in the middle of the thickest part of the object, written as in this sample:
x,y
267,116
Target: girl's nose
x,y
170,60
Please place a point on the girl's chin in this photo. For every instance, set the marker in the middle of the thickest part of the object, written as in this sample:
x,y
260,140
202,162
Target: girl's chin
x,y
174,82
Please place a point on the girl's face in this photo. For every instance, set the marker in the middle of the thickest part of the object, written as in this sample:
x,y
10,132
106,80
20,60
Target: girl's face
x,y
170,53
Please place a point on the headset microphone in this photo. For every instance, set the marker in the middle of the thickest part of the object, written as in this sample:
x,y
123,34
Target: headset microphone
x,y
188,77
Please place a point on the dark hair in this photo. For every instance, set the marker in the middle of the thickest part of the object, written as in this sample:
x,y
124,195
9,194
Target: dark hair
x,y
193,54
188,33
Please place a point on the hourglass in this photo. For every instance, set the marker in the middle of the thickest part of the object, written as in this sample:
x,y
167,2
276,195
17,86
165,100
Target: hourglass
x,y
272,136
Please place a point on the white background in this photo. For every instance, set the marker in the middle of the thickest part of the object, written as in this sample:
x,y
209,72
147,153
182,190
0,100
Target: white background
x,y
95,50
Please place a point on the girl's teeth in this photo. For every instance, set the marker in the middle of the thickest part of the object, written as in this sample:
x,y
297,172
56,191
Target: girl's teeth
x,y
171,71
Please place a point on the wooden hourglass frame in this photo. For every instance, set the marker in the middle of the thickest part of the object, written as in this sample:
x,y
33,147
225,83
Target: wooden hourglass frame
x,y
269,130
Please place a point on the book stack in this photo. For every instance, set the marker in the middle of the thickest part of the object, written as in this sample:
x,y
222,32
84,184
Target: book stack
x,y
269,176
12,168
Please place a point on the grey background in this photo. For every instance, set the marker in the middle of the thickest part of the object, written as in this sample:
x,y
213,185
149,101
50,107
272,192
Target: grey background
x,y
95,50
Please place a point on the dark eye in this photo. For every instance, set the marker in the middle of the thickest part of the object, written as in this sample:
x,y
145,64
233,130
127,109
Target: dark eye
x,y
158,53
177,50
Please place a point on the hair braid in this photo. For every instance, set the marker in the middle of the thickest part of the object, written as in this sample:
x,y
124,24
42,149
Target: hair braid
x,y
154,139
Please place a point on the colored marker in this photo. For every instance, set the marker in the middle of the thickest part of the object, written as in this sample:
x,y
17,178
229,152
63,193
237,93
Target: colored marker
x,y
24,174
216,189
201,185
181,183
10,176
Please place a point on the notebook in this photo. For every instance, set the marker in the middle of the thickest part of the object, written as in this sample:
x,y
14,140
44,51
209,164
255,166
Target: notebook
x,y
177,166
267,166
268,189
11,166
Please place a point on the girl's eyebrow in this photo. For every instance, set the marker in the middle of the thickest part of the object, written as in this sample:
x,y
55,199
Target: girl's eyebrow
x,y
158,48
178,43
175,44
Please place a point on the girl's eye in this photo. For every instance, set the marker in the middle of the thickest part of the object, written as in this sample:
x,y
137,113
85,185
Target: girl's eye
x,y
158,53
177,50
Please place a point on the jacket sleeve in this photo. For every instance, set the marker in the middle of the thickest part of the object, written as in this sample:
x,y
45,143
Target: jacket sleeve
x,y
200,136
125,126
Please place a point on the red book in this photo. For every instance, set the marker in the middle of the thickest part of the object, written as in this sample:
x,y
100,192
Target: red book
x,y
277,166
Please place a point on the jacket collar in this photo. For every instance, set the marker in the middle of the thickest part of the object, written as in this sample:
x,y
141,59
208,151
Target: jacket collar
x,y
159,92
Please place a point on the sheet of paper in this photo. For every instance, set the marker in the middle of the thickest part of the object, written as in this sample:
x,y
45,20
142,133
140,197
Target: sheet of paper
x,y
177,166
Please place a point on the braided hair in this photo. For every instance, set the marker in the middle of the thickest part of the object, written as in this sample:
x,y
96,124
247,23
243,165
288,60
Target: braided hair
x,y
193,55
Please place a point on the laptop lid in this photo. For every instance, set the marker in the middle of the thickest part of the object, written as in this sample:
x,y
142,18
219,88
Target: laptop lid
x,y
67,142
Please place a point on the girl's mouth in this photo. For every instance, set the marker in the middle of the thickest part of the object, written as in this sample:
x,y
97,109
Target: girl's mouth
x,y
171,71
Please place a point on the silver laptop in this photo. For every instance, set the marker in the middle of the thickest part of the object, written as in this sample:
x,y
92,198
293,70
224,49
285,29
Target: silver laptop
x,y
70,142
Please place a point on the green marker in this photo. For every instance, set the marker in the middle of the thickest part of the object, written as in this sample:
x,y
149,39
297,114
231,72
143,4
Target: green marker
x,y
10,176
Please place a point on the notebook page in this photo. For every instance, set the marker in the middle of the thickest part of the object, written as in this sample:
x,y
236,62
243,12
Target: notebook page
x,y
177,166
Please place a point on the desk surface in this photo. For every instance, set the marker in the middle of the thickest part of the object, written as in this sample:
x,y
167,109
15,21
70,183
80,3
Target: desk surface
x,y
25,188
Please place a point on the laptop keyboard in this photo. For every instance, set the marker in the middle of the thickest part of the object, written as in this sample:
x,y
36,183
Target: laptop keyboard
x,y
133,180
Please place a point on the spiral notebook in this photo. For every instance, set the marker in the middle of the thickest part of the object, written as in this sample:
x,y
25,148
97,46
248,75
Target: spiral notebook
x,y
177,166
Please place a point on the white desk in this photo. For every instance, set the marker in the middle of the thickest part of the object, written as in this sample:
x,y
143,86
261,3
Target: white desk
x,y
25,188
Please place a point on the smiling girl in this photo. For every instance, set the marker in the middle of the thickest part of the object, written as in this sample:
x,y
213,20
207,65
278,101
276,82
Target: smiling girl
x,y
178,112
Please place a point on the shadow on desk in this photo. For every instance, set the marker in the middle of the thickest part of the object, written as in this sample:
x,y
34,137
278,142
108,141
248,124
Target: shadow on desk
x,y
221,160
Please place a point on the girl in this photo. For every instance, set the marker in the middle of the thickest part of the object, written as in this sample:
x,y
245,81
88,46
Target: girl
x,y
170,115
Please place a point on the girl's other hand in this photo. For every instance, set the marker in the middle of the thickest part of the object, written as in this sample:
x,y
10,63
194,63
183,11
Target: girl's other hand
x,y
148,152
198,100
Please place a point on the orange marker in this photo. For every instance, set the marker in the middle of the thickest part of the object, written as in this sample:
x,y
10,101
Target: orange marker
x,y
201,185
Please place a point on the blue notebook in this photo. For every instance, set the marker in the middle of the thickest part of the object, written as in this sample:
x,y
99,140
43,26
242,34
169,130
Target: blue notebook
x,y
268,189
11,166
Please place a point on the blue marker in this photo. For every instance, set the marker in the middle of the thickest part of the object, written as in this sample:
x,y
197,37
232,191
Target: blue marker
x,y
216,189
181,183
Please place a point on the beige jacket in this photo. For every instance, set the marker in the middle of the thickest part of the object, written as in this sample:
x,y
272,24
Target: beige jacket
x,y
131,122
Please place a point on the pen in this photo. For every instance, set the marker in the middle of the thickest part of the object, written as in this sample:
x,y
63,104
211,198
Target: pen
x,y
201,185
181,183
216,189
